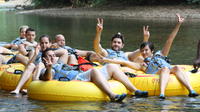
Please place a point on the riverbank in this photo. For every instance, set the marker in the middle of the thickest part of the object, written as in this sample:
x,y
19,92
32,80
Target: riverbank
x,y
15,4
188,12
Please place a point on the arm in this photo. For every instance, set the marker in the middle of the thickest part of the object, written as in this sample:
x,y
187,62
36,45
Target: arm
x,y
14,46
48,73
97,46
129,64
135,54
167,46
22,49
36,52
83,52
146,33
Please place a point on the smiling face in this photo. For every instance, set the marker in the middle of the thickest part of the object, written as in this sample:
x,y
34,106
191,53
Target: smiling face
x,y
146,52
44,43
117,44
30,36
22,32
50,55
60,40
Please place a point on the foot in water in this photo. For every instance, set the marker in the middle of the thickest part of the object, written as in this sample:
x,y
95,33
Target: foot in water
x,y
162,96
139,93
193,94
14,92
118,98
24,91
196,66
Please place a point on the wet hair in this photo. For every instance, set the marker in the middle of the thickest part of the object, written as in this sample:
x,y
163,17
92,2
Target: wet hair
x,y
118,35
30,29
150,44
23,27
47,36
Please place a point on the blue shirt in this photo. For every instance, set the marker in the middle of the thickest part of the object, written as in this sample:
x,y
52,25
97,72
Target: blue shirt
x,y
120,55
64,71
70,50
38,58
156,62
18,41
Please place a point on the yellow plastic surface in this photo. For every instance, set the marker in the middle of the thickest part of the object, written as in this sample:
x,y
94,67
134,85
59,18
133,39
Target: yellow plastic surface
x,y
71,90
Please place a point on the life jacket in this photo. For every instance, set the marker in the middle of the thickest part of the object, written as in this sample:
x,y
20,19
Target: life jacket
x,y
83,64
120,55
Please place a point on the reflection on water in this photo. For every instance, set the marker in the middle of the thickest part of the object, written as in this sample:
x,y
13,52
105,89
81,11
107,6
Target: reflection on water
x,y
23,104
80,33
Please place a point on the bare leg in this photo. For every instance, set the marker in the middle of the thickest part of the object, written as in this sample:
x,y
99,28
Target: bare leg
x,y
72,60
164,79
1,60
22,59
8,46
37,71
182,77
31,54
4,50
115,72
25,77
101,82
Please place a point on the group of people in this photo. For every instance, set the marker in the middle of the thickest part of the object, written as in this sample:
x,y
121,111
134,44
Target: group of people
x,y
52,61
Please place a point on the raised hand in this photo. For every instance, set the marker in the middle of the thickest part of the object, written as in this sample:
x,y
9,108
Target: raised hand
x,y
168,43
99,26
146,33
180,19
47,62
37,49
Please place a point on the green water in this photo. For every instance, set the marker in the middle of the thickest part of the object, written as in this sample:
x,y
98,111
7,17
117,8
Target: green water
x,y
10,103
80,32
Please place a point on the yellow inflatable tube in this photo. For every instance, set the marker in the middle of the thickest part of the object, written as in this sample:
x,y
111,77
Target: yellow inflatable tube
x,y
9,80
3,68
150,83
71,90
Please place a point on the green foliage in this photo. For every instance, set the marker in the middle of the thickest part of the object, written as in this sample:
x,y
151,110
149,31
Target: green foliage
x,y
91,3
51,3
151,2
193,2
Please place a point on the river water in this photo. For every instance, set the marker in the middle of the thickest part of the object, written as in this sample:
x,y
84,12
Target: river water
x,y
79,32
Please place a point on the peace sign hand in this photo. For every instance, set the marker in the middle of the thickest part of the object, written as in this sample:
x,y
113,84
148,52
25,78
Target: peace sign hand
x,y
180,19
47,62
99,26
146,33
